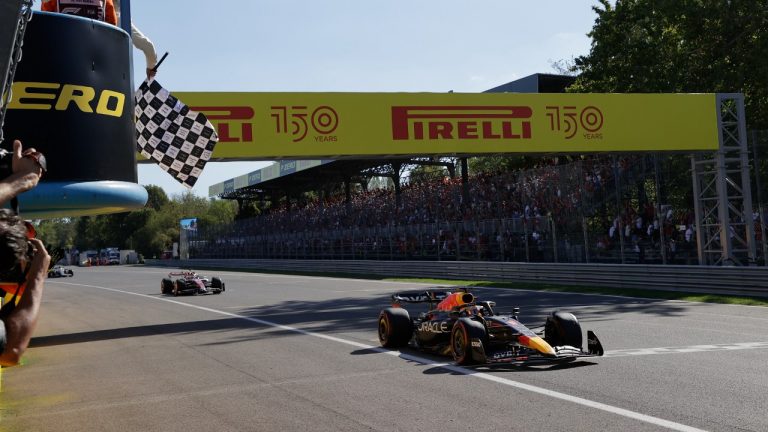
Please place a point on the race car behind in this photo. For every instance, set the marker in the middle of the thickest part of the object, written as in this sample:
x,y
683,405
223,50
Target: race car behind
x,y
60,271
189,282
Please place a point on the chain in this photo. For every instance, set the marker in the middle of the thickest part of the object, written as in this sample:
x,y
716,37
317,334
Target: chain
x,y
25,16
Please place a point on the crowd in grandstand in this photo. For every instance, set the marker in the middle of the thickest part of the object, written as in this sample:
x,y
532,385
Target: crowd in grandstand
x,y
542,213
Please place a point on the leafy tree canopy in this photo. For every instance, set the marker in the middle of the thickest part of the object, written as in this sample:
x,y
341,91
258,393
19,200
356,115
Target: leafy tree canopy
x,y
149,231
680,46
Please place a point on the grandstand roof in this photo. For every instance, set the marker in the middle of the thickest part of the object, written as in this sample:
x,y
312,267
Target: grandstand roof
x,y
536,83
288,175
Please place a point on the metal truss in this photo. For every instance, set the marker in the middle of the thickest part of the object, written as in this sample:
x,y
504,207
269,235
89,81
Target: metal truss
x,y
16,15
722,192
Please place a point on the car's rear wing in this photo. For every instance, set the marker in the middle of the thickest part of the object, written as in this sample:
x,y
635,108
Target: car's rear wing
x,y
429,296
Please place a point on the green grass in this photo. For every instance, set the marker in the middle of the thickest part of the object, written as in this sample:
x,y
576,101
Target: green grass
x,y
628,292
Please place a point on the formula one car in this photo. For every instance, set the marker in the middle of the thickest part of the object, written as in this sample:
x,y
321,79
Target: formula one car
x,y
189,282
59,271
457,324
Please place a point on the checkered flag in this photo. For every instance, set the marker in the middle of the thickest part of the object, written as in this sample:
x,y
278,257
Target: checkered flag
x,y
169,133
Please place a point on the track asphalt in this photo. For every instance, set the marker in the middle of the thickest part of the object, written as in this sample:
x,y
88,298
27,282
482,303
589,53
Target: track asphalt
x,y
297,353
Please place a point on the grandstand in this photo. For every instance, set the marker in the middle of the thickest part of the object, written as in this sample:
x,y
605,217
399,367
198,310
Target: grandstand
x,y
553,213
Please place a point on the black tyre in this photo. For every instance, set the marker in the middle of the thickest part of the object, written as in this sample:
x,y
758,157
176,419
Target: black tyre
x,y
166,285
220,290
464,330
562,328
217,284
178,287
70,273
395,327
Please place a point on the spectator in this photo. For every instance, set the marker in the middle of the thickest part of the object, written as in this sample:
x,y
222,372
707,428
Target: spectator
x,y
107,11
24,261
101,10
23,271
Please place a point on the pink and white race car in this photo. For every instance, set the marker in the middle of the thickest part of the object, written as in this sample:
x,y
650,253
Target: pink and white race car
x,y
189,282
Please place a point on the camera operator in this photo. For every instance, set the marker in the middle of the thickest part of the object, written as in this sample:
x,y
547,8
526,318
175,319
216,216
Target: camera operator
x,y
24,261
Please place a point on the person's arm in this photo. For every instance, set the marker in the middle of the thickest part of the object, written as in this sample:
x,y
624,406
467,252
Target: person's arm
x,y
26,174
20,324
15,184
147,47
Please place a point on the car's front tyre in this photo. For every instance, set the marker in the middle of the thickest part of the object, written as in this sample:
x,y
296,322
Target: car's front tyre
x,y
464,330
217,285
166,285
562,328
220,290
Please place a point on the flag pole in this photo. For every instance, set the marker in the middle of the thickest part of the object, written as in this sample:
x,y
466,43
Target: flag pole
x,y
162,59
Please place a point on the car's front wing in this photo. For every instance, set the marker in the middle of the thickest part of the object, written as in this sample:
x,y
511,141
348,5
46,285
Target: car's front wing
x,y
565,353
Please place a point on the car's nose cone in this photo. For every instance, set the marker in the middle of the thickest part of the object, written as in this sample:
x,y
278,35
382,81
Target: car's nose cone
x,y
538,344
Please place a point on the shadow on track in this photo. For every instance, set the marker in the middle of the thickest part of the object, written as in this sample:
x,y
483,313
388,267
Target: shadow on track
x,y
408,354
154,330
354,314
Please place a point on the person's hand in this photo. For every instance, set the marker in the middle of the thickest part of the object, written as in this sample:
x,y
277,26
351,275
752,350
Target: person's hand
x,y
25,167
22,162
40,259
151,73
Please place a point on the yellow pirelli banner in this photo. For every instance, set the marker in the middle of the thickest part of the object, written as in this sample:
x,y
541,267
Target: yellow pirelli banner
x,y
329,125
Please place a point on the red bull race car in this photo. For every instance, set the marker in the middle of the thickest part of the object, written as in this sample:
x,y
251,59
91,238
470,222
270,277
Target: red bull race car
x,y
458,324
189,282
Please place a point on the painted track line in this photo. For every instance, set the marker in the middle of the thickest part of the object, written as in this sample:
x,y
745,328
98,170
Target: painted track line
x,y
427,362
686,349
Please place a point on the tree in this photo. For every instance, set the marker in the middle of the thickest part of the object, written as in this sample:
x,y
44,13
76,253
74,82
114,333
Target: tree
x,y
426,173
680,46
248,209
157,197
57,233
218,212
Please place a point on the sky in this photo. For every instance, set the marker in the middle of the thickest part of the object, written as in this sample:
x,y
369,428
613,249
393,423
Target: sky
x,y
351,46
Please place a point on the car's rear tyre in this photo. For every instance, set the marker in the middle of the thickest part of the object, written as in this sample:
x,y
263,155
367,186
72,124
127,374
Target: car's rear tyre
x,y
562,328
70,273
464,330
178,287
395,327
